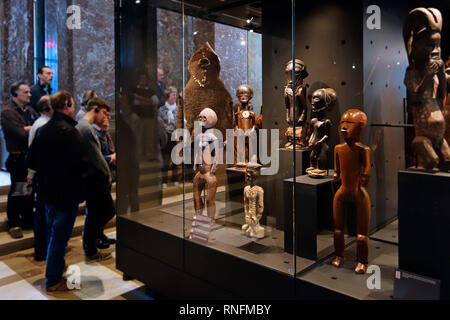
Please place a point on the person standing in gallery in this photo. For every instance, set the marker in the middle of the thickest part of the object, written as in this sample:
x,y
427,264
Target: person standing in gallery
x,y
99,203
88,96
42,86
57,153
161,91
168,114
39,220
16,120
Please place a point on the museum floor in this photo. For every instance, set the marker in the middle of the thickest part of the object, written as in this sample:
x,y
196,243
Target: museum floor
x,y
22,278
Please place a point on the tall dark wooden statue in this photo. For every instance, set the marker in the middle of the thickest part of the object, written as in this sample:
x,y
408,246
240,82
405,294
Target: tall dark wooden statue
x,y
426,84
206,90
352,168
322,101
301,108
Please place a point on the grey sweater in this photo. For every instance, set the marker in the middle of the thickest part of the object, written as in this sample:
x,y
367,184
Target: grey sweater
x,y
97,163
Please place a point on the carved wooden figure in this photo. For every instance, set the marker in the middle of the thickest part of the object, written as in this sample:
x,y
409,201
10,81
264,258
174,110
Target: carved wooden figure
x,y
206,164
301,108
245,120
205,90
352,167
253,204
426,85
322,101
446,111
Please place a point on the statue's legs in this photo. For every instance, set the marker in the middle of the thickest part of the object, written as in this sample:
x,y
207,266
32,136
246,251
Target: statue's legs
x,y
199,185
322,161
339,222
363,221
424,148
445,150
211,188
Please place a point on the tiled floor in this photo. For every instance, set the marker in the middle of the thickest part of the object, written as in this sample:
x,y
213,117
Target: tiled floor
x,y
22,278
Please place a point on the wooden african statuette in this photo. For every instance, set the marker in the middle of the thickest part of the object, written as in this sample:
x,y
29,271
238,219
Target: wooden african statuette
x,y
301,108
322,101
352,168
205,89
446,111
426,85
245,120
206,164
253,204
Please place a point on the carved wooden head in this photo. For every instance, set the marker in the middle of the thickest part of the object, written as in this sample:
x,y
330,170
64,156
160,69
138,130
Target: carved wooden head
x,y
323,99
208,118
244,93
352,124
421,33
300,69
204,65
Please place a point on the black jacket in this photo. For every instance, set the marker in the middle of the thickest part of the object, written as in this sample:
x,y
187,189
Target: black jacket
x,y
37,92
58,156
14,120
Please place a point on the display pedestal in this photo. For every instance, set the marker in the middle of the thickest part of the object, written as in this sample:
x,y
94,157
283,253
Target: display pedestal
x,y
424,225
313,211
275,202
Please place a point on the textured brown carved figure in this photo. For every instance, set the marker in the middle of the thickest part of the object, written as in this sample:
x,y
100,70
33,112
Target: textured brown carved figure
x,y
322,101
352,167
446,110
205,90
245,120
301,108
205,162
426,85
253,204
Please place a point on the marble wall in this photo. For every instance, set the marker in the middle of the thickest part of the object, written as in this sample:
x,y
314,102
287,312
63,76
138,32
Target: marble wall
x,y
86,55
93,50
16,23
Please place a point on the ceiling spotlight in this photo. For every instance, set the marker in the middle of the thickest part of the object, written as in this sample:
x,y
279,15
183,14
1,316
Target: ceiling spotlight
x,y
138,1
249,20
251,30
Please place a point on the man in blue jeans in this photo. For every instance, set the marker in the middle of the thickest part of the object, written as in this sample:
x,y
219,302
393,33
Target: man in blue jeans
x,y
57,154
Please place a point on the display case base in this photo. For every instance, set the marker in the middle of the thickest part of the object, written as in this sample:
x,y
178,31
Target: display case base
x,y
151,247
424,222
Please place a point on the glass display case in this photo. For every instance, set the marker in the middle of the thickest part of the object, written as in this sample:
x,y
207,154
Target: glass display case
x,y
262,148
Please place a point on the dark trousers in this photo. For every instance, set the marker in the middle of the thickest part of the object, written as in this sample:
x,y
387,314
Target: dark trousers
x,y
60,221
40,231
99,210
19,208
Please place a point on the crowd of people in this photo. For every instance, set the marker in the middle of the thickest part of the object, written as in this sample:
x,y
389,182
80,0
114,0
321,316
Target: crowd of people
x,y
56,163
61,156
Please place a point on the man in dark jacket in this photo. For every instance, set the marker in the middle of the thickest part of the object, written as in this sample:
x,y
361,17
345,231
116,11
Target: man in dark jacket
x,y
100,206
42,87
57,154
16,120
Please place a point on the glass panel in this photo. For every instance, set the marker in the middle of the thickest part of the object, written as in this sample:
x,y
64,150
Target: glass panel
x,y
150,186
236,202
